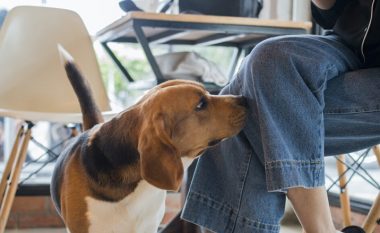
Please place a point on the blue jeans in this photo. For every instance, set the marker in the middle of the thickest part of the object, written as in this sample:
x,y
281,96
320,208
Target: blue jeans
x,y
301,109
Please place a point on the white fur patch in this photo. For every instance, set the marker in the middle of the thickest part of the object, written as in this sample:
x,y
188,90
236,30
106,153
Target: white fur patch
x,y
139,212
186,161
65,56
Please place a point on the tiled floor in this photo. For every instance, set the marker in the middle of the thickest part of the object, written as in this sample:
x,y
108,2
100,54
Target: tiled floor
x,y
285,229
291,229
289,225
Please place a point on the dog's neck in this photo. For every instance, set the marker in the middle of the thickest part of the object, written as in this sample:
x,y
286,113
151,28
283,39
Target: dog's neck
x,y
113,161
117,139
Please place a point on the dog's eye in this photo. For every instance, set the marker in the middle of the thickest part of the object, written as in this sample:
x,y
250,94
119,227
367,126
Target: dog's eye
x,y
201,105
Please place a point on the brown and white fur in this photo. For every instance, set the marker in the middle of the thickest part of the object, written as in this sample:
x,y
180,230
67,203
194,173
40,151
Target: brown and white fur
x,y
113,176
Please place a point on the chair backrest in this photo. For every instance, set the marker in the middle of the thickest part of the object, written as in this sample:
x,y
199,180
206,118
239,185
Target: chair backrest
x,y
33,82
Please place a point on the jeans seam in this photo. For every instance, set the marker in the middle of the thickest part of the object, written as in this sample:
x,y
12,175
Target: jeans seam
x,y
224,207
243,182
316,165
323,86
238,79
255,223
303,163
211,200
347,111
320,143
317,172
261,225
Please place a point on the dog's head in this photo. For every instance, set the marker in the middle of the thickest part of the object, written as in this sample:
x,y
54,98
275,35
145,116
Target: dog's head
x,y
182,119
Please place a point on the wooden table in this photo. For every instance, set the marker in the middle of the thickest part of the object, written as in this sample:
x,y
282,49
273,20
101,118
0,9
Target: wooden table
x,y
199,30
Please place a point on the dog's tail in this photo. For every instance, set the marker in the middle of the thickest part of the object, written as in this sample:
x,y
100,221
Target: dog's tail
x,y
90,111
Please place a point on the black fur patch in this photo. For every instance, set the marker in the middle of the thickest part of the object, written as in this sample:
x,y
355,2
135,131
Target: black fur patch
x,y
102,160
90,110
59,169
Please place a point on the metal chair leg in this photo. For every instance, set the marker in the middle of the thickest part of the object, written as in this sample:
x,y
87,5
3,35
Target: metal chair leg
x,y
20,150
344,197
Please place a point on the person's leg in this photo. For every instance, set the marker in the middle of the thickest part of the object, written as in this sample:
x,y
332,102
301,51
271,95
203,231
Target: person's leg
x,y
312,209
352,122
239,185
352,118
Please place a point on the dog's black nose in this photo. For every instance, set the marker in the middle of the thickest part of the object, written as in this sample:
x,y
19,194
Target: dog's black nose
x,y
242,101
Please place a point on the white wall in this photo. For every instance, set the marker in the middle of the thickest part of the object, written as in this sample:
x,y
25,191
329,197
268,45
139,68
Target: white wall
x,y
296,10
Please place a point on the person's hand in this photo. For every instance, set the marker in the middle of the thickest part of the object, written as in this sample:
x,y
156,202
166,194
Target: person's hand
x,y
324,4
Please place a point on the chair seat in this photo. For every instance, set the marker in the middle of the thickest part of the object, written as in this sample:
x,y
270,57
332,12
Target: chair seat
x,y
33,82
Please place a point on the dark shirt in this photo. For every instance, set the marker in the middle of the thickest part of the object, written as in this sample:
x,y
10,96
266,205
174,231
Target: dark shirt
x,y
357,22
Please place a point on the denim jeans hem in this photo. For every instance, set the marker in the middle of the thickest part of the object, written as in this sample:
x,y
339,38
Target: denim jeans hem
x,y
353,110
284,174
203,210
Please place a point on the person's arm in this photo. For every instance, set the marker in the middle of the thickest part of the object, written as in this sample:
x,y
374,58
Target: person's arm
x,y
324,4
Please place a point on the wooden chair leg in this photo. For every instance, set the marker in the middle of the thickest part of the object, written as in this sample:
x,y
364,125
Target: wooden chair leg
x,y
373,217
73,130
9,165
344,197
11,188
376,150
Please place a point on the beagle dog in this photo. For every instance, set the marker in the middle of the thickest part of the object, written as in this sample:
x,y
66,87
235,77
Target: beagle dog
x,y
113,177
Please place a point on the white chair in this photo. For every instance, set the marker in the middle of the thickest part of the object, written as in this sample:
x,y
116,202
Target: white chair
x,y
373,217
33,82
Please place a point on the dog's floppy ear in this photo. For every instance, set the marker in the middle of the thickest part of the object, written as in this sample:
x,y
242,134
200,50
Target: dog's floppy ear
x,y
161,164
